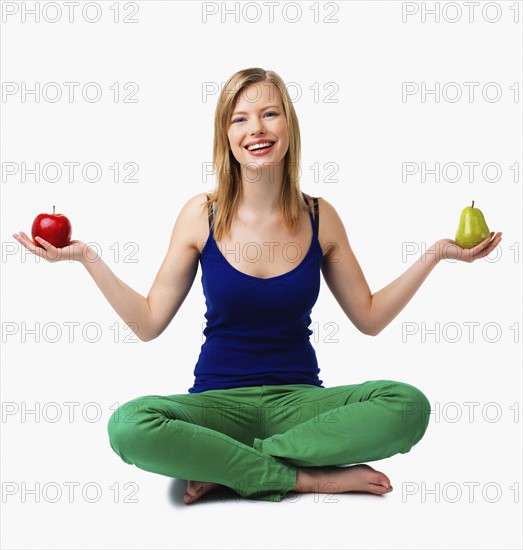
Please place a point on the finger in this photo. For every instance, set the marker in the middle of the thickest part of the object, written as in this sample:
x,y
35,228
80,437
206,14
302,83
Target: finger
x,y
23,238
43,242
475,252
49,248
46,250
495,235
20,235
29,245
487,250
480,246
26,238
495,241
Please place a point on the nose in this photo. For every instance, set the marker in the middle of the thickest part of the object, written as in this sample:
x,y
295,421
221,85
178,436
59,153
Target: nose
x,y
257,127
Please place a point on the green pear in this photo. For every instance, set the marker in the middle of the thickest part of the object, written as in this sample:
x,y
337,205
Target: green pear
x,y
472,228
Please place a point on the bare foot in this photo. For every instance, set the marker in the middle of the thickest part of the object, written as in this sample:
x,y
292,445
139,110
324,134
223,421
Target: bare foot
x,y
196,489
335,479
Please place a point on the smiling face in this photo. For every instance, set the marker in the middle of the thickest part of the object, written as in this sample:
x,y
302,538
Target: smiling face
x,y
258,116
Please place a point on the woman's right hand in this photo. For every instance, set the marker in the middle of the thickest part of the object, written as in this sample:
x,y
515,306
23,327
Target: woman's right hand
x,y
73,251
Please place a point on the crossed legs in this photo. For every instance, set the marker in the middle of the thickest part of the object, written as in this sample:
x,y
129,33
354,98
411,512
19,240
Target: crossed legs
x,y
264,441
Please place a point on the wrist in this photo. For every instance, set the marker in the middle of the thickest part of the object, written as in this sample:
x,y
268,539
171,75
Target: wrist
x,y
439,250
87,255
434,253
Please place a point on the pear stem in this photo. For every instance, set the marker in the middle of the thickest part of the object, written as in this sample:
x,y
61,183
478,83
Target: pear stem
x,y
472,204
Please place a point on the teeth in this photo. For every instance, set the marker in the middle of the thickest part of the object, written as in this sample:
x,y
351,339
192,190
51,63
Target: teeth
x,y
258,146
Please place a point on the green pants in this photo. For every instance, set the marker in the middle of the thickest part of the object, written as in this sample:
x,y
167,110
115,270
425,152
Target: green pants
x,y
252,439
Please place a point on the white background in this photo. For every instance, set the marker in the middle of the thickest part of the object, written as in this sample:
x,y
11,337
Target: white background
x,y
369,132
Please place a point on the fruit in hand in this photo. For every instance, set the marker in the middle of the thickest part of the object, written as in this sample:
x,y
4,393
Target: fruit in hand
x,y
53,228
472,228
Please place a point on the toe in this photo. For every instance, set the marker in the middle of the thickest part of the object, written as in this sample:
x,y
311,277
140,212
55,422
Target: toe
x,y
188,498
381,479
378,489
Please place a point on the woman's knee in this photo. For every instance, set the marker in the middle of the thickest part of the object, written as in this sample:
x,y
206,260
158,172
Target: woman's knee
x,y
415,409
124,424
409,407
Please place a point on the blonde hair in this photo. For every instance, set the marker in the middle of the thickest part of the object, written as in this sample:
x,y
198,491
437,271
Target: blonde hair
x,y
228,170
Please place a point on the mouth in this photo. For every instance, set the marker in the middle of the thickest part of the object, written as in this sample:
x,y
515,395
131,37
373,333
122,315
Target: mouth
x,y
261,147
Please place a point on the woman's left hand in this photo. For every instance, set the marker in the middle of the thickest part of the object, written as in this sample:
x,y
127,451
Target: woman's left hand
x,y
450,250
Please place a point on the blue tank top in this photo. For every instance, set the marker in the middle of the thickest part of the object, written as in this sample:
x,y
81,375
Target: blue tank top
x,y
257,329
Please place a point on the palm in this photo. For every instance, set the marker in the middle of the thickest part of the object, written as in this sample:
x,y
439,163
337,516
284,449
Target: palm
x,y
450,250
73,251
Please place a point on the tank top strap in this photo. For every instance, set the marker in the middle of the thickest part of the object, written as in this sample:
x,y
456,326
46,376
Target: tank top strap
x,y
210,210
316,219
316,214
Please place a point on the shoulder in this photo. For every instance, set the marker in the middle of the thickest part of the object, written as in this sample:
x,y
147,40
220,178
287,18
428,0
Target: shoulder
x,y
331,228
194,218
329,213
326,211
194,208
323,204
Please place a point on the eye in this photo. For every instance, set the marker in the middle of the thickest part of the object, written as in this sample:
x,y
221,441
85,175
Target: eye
x,y
268,113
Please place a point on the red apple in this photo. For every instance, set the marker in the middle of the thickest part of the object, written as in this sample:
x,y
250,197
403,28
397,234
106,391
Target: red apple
x,y
53,228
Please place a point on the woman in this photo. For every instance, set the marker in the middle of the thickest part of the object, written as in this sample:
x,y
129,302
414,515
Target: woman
x,y
258,419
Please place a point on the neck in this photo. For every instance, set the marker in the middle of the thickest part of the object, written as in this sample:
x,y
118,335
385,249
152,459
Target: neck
x,y
261,191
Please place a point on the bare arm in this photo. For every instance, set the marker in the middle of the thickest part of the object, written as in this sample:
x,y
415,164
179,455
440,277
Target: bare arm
x,y
390,300
132,307
371,313
179,268
146,317
387,303
149,317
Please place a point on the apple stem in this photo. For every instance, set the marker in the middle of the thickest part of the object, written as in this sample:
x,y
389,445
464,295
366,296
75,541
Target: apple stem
x,y
472,204
53,208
